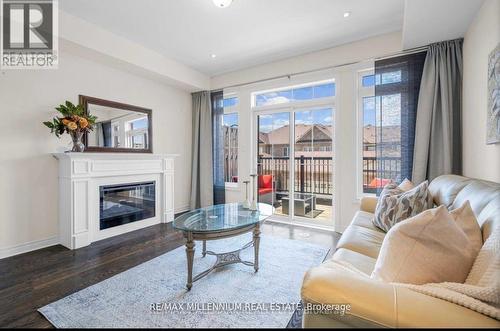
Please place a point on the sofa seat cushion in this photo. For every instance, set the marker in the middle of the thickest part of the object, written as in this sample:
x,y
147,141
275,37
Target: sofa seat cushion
x,y
265,190
362,239
361,262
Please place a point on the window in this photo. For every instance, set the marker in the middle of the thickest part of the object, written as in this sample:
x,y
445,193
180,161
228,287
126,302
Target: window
x,y
368,119
229,102
230,135
137,133
300,93
286,151
381,129
381,79
387,101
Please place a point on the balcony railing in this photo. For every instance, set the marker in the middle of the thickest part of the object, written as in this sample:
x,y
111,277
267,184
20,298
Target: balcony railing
x,y
314,175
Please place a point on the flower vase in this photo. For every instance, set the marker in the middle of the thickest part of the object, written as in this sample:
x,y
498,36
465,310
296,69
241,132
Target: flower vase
x,y
253,205
246,203
76,137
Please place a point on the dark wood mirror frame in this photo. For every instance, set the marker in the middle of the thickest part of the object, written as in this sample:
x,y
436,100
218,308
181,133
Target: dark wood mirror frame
x,y
86,100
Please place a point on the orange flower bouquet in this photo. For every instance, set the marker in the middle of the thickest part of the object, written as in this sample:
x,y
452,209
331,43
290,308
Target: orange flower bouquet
x,y
73,121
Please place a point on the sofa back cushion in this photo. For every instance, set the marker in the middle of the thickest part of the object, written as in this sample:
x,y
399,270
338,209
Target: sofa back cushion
x,y
265,181
484,198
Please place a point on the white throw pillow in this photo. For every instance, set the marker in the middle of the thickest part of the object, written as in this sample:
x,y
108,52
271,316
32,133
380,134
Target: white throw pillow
x,y
432,247
395,204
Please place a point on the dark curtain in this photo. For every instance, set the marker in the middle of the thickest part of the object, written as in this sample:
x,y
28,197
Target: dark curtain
x,y
218,147
396,95
438,148
201,170
107,134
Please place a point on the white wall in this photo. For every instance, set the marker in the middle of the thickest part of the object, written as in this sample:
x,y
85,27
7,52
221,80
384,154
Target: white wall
x,y
349,53
346,180
28,172
479,160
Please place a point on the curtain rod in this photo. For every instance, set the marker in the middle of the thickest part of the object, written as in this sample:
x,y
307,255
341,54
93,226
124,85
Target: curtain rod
x,y
388,56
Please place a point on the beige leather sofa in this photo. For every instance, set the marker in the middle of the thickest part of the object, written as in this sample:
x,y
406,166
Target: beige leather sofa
x,y
377,304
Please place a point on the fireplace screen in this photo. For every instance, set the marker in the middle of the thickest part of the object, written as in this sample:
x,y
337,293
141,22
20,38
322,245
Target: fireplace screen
x,y
126,203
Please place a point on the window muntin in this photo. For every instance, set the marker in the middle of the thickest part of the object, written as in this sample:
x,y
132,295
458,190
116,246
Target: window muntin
x,y
301,93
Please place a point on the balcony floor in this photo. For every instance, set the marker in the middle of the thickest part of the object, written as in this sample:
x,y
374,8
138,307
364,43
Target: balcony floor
x,y
323,215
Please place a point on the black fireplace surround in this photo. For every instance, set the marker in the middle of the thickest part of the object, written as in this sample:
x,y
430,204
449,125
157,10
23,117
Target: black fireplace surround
x,y
126,203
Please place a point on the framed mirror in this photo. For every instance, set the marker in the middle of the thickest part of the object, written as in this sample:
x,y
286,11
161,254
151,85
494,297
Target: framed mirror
x,y
119,127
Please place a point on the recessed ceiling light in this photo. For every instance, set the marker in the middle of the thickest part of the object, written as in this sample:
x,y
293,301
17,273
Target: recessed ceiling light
x,y
213,56
347,14
222,3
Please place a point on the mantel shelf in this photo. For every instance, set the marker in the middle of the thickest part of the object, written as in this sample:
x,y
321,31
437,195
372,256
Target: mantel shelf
x,y
112,156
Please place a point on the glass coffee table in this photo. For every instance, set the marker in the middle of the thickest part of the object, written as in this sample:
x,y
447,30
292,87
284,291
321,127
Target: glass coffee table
x,y
219,222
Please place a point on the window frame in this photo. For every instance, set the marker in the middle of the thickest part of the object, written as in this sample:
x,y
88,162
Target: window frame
x,y
228,111
362,92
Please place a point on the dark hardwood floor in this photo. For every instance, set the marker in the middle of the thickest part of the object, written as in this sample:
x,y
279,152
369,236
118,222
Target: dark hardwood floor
x,y
32,280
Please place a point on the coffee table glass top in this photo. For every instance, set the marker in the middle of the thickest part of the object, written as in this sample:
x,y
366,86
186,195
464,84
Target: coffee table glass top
x,y
223,217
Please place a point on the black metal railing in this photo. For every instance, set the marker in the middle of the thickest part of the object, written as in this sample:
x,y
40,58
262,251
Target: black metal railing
x,y
314,175
376,169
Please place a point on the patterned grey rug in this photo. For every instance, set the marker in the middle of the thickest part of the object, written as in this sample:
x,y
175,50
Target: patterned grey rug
x,y
153,294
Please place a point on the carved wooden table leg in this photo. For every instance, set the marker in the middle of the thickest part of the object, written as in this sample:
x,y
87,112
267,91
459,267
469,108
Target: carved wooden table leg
x,y
190,257
256,242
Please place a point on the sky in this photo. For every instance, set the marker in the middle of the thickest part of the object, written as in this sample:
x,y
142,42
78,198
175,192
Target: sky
x,y
272,122
391,104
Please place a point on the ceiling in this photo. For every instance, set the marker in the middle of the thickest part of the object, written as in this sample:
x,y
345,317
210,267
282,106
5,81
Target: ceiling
x,y
429,21
248,33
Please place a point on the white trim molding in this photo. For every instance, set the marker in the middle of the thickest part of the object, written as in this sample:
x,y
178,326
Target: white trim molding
x,y
28,247
82,174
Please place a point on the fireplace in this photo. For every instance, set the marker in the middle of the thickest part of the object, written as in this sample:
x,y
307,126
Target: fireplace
x,y
126,203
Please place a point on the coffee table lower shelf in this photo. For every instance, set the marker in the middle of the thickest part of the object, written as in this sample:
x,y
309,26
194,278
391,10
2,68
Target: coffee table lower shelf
x,y
225,258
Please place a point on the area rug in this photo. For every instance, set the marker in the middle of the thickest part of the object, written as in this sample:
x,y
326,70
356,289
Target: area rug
x,y
153,294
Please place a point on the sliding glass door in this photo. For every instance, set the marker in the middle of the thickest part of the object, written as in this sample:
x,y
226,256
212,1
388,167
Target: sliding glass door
x,y
295,163
313,160
273,164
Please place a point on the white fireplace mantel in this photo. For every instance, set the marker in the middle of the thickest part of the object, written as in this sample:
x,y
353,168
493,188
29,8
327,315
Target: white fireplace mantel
x,y
81,175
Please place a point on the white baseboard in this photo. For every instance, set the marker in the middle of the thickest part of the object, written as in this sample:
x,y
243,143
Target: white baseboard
x,y
182,209
28,247
39,244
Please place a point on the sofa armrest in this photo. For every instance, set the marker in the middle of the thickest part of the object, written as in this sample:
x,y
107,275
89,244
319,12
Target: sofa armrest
x,y
368,204
374,303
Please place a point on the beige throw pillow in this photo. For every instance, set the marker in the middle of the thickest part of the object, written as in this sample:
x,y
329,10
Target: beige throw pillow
x,y
395,204
406,185
433,247
465,218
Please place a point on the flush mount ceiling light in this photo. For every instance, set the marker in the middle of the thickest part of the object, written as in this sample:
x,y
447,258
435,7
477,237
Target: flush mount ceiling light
x,y
347,14
222,3
213,56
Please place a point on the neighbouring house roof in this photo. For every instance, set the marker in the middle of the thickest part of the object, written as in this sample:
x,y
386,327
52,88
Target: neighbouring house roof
x,y
388,134
281,135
